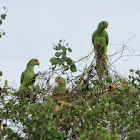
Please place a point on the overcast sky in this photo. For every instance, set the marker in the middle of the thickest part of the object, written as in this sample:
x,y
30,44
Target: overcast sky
x,y
32,26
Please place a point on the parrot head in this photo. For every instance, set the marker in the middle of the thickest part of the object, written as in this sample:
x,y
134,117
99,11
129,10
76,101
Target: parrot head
x,y
33,62
103,25
60,80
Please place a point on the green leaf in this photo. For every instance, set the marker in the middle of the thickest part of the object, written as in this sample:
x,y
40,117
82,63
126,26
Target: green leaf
x,y
3,16
57,47
64,55
88,93
82,137
69,61
138,72
73,68
74,104
78,82
94,88
107,105
57,108
66,67
57,54
0,22
6,83
108,79
54,60
53,68
0,73
132,88
131,70
34,129
9,105
64,48
69,49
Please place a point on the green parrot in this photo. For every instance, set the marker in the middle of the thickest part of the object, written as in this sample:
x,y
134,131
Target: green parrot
x,y
100,41
61,89
28,75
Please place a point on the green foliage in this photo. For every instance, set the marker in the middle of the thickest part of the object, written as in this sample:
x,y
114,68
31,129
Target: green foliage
x,y
45,126
2,17
0,22
0,73
99,134
97,114
73,68
108,79
93,109
61,58
40,124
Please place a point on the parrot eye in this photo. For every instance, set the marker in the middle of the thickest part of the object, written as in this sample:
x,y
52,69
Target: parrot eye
x,y
103,23
35,60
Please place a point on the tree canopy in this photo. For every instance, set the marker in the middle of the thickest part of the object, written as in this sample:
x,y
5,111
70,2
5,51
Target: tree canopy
x,y
93,108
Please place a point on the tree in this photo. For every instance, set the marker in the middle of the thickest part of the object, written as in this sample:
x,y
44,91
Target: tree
x,y
93,108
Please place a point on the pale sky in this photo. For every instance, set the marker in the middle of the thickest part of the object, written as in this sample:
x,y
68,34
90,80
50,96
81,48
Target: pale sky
x,y
32,26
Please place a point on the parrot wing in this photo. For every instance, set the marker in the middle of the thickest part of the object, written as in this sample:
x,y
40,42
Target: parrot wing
x,y
93,36
22,77
107,39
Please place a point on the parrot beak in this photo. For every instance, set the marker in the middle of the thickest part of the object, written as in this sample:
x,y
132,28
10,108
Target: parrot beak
x,y
106,26
38,63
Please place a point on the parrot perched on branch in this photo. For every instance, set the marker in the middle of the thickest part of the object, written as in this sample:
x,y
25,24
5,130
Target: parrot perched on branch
x,y
100,41
61,89
28,75
28,78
